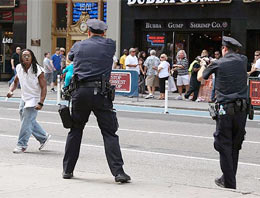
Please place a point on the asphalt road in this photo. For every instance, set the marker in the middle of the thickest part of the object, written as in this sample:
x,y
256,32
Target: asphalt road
x,y
164,150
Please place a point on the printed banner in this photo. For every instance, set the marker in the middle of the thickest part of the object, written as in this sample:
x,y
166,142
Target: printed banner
x,y
255,92
126,82
122,81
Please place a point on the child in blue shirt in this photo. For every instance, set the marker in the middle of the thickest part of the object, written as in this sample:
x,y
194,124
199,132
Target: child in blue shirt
x,y
69,74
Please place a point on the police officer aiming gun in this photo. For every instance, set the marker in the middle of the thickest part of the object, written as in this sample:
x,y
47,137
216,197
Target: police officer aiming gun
x,y
231,107
92,60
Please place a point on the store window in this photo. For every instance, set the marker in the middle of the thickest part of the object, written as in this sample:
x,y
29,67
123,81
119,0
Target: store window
x,y
6,51
61,18
61,42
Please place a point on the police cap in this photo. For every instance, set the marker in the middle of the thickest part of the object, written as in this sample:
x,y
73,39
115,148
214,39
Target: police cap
x,y
96,26
230,42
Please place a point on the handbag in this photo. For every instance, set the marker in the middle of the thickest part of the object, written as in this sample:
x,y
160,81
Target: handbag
x,y
171,84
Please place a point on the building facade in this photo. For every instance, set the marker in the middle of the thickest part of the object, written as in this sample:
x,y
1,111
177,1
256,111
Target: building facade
x,y
171,25
13,16
69,20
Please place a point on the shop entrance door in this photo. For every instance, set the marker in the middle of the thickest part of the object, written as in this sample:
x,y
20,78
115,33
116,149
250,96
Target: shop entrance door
x,y
6,41
181,42
210,41
194,43
253,43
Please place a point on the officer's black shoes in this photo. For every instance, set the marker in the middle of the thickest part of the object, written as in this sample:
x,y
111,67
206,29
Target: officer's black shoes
x,y
122,178
67,175
220,182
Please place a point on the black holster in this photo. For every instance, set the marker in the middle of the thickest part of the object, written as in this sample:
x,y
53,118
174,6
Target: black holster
x,y
111,92
65,116
212,111
250,110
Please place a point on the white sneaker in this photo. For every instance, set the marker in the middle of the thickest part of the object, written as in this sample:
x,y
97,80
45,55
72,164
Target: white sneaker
x,y
179,97
42,145
149,96
19,149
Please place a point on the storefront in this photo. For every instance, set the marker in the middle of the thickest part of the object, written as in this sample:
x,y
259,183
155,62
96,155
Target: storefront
x,y
12,18
192,25
69,20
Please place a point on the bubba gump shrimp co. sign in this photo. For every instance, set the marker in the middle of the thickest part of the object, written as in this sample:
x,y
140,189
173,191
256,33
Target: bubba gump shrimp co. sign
x,y
169,2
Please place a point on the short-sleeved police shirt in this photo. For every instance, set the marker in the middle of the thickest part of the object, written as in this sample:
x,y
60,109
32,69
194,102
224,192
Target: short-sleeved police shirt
x,y
92,58
231,77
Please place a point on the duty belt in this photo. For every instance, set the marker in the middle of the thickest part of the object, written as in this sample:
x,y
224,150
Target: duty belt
x,y
232,107
91,84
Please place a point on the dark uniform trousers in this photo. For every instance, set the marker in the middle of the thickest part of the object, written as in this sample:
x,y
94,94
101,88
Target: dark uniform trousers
x,y
229,136
194,88
83,102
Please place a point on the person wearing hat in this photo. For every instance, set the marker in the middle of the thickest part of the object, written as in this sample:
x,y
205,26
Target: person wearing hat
x,y
92,59
231,105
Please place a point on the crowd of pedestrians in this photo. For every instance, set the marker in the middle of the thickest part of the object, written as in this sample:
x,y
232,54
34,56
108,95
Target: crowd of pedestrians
x,y
155,69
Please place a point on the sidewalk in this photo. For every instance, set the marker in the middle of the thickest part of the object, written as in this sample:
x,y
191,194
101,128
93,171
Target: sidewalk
x,y
136,101
41,182
123,100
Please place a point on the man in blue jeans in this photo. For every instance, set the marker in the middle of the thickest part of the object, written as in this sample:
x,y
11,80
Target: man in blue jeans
x,y
34,88
56,61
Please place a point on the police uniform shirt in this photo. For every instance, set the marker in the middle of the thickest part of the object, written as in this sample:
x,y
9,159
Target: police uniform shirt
x,y
231,77
92,58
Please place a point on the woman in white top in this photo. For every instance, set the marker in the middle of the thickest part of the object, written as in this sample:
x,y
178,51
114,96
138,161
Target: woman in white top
x,y
163,73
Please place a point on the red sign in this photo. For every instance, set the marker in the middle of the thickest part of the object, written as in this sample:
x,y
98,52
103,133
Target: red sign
x,y
6,16
255,92
122,81
157,39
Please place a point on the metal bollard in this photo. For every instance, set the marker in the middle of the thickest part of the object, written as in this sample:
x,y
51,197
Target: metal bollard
x,y
58,89
166,98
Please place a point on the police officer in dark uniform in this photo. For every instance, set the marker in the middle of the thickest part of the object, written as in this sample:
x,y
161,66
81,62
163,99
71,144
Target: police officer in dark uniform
x,y
92,59
231,107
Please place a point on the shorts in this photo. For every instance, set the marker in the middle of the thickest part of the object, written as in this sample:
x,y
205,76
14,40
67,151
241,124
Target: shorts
x,y
152,81
49,78
183,80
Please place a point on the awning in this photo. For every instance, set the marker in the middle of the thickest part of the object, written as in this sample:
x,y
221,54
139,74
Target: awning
x,y
7,3
251,1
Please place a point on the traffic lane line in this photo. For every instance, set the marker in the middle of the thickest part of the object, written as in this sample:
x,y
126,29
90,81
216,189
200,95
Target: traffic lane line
x,y
146,152
138,131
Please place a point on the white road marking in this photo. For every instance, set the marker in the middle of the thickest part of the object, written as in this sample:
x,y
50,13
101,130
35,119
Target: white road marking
x,y
146,152
137,131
